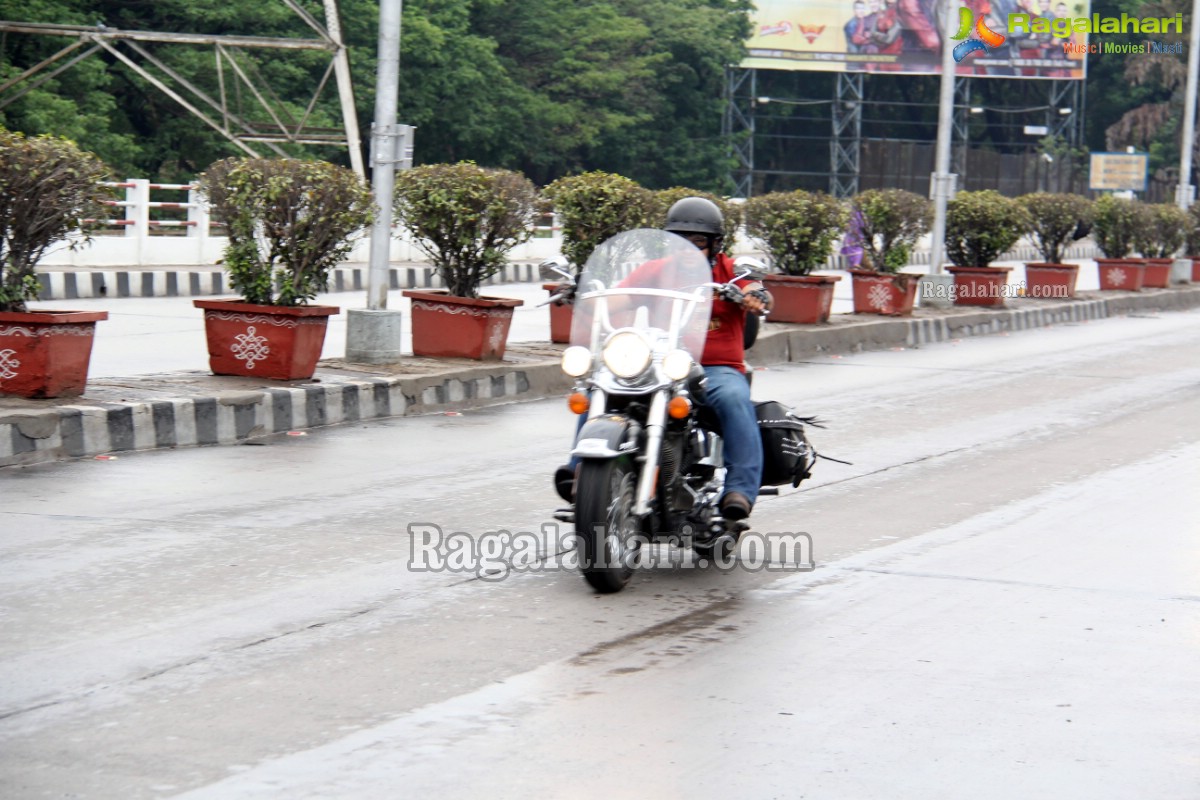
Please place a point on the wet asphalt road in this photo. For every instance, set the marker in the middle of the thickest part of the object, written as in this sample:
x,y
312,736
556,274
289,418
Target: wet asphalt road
x,y
1005,603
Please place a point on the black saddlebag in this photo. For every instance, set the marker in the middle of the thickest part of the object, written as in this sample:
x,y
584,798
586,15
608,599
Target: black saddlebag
x,y
787,455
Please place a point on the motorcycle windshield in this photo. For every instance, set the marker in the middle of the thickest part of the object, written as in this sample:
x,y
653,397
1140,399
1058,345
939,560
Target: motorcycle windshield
x,y
649,280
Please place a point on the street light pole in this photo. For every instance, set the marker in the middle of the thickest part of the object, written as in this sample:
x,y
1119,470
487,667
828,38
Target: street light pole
x,y
935,287
373,333
1185,193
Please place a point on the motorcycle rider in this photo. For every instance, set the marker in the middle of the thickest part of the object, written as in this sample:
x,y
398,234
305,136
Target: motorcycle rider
x,y
727,389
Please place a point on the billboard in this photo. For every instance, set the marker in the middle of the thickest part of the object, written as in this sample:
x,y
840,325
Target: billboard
x,y
903,37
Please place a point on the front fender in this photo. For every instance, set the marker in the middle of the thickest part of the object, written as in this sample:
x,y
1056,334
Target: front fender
x,y
608,436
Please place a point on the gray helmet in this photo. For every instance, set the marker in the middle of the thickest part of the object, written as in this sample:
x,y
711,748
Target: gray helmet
x,y
695,215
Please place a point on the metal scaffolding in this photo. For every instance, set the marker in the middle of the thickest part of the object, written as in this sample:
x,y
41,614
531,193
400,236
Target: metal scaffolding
x,y
741,93
234,75
846,144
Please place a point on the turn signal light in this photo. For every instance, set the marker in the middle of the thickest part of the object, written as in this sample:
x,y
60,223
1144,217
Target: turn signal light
x,y
679,407
578,403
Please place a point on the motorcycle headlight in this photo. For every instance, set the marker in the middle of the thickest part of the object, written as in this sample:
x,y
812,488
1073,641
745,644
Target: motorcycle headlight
x,y
626,354
677,364
576,361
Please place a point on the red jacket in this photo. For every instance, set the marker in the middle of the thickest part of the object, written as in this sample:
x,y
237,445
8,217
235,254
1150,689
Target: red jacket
x,y
726,326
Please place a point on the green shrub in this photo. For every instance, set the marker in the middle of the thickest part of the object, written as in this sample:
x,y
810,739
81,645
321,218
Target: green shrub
x,y
596,206
1114,225
48,187
290,223
797,228
466,218
1192,238
891,223
1055,221
1161,230
980,226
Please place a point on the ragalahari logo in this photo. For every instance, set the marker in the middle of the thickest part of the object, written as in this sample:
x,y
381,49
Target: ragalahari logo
x,y
984,39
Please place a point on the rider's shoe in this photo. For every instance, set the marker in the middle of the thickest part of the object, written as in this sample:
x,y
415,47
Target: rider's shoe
x,y
564,483
735,506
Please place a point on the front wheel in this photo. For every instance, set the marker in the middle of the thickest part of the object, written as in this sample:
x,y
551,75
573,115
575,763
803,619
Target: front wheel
x,y
606,528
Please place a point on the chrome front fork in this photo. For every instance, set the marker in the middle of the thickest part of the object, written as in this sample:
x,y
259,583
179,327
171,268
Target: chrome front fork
x,y
656,421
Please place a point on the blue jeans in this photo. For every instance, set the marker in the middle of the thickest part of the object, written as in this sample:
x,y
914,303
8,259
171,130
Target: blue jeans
x,y
728,394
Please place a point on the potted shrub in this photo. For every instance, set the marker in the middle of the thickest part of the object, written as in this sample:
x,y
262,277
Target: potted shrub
x,y
290,222
592,207
1191,244
47,187
980,226
1160,233
1114,224
465,218
888,223
798,230
1055,221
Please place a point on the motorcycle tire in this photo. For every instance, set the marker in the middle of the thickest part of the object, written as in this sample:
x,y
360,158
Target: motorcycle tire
x,y
608,533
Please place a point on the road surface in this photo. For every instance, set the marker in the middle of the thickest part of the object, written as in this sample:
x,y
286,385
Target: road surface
x,y
1005,603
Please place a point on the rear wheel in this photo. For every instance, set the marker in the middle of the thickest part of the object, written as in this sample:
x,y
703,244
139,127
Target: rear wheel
x,y
606,527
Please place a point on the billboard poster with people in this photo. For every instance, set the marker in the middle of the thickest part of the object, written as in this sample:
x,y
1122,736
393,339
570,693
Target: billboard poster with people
x,y
998,38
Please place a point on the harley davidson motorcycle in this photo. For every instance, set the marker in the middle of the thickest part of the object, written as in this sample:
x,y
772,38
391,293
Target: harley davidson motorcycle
x,y
649,454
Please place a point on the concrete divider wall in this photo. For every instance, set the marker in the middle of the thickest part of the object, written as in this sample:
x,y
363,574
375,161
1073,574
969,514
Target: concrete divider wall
x,y
49,430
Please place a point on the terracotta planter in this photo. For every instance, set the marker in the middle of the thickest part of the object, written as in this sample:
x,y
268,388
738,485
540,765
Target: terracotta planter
x,y
1195,269
280,343
1046,281
561,315
1157,274
979,286
801,298
1121,274
883,292
460,327
46,353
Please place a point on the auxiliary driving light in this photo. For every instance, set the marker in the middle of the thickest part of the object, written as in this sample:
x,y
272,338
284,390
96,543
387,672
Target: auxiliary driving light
x,y
677,364
576,361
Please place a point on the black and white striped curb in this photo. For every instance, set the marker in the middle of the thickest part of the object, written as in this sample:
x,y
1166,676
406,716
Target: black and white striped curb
x,y
32,435
74,284
37,434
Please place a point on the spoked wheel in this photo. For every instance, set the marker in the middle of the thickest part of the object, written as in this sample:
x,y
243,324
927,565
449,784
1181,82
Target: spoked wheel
x,y
605,524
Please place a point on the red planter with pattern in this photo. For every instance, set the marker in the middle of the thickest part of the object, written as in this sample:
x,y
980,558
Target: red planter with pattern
x,y
887,293
1195,269
800,298
281,343
460,327
46,353
1121,274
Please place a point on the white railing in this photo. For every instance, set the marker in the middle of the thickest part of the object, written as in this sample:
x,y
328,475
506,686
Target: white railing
x,y
179,231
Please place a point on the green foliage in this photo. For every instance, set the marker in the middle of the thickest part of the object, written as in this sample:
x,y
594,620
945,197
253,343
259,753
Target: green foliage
x,y
48,186
732,212
1056,220
1114,225
546,87
290,222
892,222
980,226
798,228
1161,230
595,206
1192,237
466,218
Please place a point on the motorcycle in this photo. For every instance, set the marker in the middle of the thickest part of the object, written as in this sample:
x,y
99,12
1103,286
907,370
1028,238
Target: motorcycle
x,y
649,454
